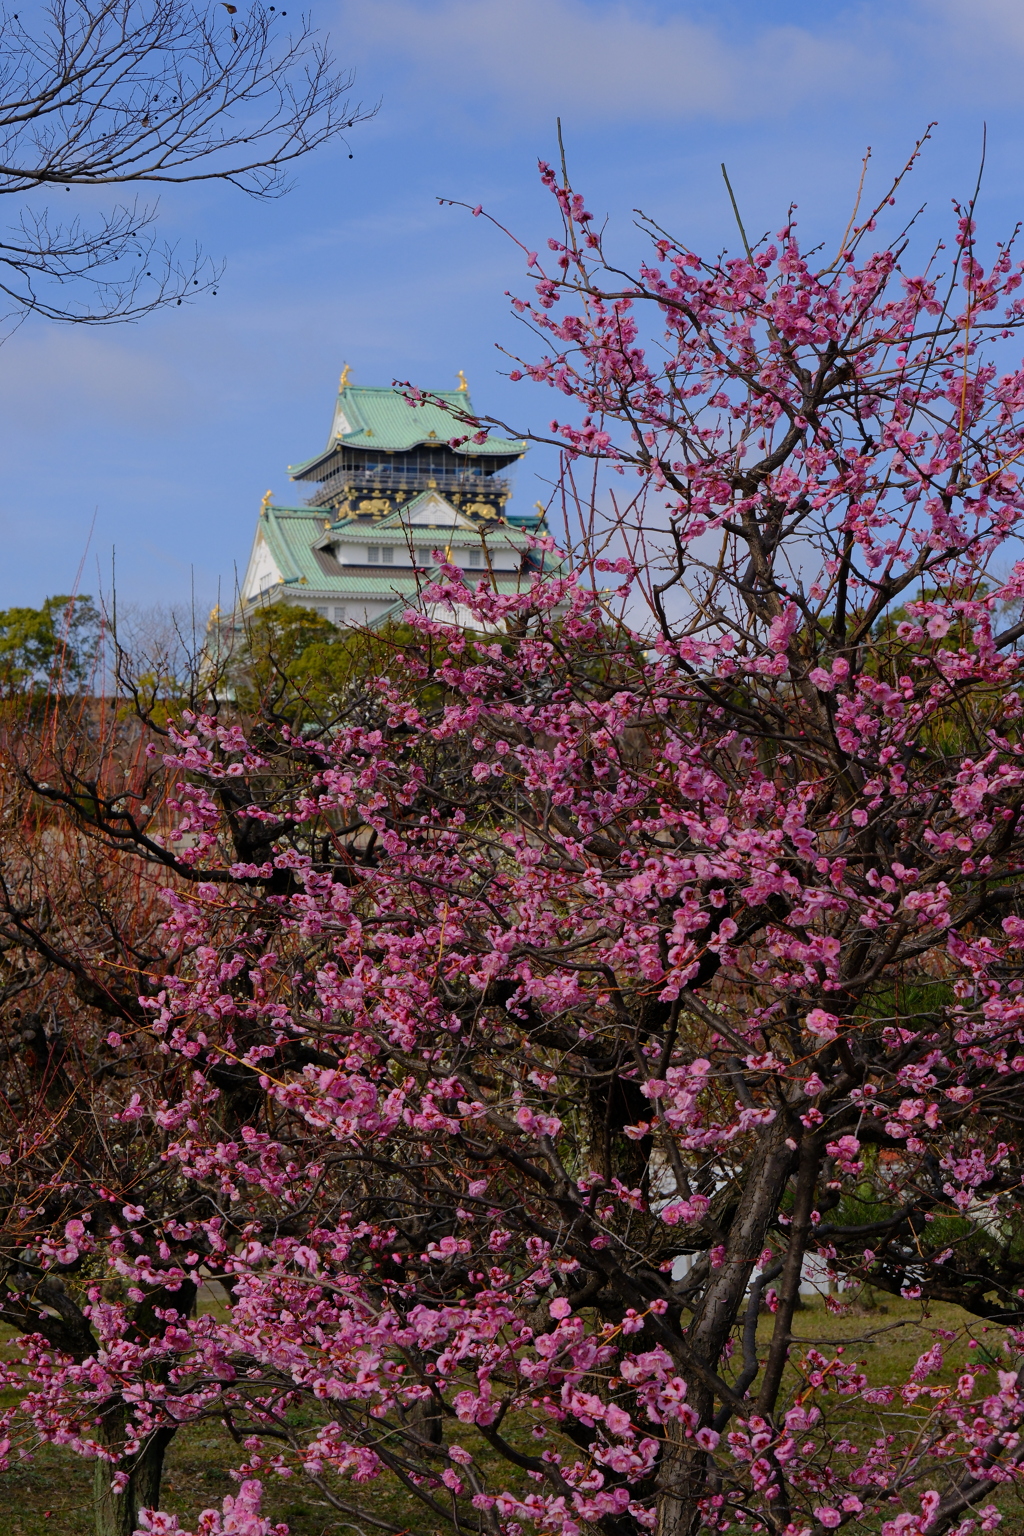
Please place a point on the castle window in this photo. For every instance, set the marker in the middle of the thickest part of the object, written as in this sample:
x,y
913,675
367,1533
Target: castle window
x,y
476,557
377,554
339,615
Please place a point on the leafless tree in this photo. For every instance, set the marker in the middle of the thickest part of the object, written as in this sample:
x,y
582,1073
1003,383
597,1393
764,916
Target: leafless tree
x,y
98,93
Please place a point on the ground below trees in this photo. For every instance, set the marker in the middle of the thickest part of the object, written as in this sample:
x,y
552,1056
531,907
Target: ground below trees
x,y
53,1492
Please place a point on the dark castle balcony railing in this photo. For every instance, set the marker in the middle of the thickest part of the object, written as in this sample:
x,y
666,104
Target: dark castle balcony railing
x,y
389,481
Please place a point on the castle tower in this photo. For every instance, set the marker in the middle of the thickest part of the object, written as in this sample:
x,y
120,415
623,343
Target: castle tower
x,y
391,491
382,452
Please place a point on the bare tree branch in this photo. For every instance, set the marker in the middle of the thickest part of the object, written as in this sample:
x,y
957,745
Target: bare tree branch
x,y
130,91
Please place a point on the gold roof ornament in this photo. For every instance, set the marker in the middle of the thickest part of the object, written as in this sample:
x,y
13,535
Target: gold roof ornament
x,y
343,381
463,386
265,503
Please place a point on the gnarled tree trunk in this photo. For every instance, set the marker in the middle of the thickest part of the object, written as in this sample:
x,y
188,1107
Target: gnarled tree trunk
x,y
117,1511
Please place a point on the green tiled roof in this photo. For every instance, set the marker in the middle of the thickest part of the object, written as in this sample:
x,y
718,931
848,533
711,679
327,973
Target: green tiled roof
x,y
384,419
291,532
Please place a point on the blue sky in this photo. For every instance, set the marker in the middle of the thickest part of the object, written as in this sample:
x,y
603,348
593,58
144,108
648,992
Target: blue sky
x,y
161,438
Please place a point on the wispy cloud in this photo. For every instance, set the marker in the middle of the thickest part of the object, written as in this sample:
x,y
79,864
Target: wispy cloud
x,y
619,62
985,27
59,378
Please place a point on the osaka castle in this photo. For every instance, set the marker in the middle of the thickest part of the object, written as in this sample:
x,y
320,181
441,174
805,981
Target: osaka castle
x,y
390,491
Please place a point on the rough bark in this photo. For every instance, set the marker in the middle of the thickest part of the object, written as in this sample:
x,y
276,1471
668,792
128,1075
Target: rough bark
x,y
682,1478
117,1512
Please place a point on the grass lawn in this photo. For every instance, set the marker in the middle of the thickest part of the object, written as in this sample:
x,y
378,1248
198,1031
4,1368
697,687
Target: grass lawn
x,y
53,1492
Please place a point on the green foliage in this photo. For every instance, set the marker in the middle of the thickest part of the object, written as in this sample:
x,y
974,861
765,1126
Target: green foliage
x,y
52,646
292,663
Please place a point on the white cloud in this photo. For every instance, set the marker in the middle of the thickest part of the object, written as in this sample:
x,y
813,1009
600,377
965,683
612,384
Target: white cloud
x,y
58,377
971,50
619,62
988,26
